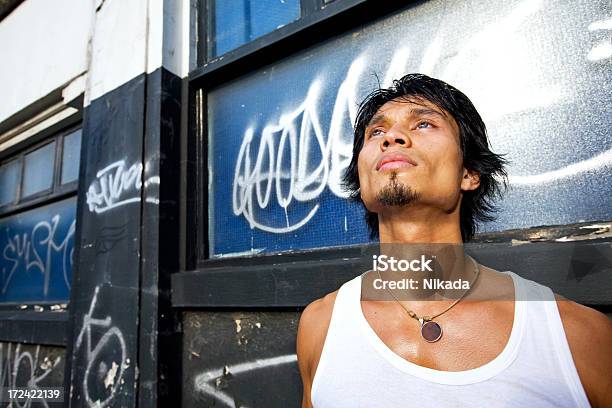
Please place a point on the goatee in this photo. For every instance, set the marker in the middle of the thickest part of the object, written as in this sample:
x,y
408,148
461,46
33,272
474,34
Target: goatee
x,y
396,194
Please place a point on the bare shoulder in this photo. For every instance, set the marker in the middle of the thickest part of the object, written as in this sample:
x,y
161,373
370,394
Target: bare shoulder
x,y
589,334
312,330
313,326
585,327
315,310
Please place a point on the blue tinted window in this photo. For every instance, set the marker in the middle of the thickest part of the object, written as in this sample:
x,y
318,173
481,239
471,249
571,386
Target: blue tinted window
x,y
281,138
236,22
70,157
36,251
9,176
38,170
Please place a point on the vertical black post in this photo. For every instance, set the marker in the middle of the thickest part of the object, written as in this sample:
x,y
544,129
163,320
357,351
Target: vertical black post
x,y
160,379
105,295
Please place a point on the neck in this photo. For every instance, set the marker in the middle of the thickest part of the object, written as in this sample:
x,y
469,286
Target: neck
x,y
408,232
419,225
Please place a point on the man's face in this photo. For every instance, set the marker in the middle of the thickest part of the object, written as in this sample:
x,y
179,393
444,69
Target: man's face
x,y
411,155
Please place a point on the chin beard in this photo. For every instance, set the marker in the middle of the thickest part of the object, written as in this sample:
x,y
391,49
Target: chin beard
x,y
395,194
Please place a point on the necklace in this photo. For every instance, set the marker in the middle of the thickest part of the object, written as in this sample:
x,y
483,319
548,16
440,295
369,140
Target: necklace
x,y
432,331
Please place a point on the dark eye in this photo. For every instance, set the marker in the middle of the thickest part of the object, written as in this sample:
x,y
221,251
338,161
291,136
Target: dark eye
x,y
423,125
377,132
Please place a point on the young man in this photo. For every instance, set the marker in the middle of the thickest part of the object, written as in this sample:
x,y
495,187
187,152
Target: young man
x,y
423,169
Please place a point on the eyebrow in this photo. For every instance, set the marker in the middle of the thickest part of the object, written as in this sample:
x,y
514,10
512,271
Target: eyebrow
x,y
381,117
426,112
376,119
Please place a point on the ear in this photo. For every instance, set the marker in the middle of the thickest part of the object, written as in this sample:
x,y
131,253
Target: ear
x,y
470,180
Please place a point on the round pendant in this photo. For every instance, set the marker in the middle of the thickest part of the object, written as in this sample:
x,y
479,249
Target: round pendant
x,y
431,331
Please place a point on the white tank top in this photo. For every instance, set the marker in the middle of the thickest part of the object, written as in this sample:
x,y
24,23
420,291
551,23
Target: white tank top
x,y
535,369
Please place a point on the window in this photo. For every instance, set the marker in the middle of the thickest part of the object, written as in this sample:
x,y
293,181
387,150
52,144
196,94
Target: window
x,y
38,170
70,156
237,22
277,134
45,170
9,176
37,220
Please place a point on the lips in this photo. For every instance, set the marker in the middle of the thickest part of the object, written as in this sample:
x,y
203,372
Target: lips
x,y
394,160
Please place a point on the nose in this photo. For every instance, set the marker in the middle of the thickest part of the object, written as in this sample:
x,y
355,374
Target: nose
x,y
394,136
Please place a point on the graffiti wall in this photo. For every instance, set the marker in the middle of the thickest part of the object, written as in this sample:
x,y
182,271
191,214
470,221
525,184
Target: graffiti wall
x,y
240,359
103,346
104,301
31,366
36,249
538,72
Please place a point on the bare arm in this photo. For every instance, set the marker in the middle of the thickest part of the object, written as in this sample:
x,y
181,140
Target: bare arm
x,y
312,330
589,334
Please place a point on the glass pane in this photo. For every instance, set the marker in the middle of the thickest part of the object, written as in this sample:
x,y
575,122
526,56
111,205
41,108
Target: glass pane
x,y
70,157
9,176
281,137
38,172
37,248
236,22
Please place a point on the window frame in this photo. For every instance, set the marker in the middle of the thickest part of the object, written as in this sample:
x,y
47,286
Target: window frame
x,y
306,8
57,191
56,322
286,281
207,7
19,164
70,185
41,193
320,21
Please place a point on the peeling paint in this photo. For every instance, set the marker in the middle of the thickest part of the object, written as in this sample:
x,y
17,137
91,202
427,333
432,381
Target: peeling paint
x,y
601,228
109,380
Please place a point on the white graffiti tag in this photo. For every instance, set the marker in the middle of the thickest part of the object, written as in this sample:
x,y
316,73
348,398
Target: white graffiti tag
x,y
203,381
315,160
35,251
19,368
114,186
287,163
307,170
112,337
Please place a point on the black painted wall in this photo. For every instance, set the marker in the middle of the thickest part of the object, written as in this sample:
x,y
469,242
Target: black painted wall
x,y
105,297
31,366
123,341
240,359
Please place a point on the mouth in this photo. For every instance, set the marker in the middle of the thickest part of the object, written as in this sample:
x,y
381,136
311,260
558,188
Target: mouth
x,y
394,161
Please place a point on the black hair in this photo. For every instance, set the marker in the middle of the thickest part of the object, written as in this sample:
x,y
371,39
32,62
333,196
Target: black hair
x,y
477,205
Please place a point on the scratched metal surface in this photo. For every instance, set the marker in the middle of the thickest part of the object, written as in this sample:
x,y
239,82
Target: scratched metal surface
x,y
538,72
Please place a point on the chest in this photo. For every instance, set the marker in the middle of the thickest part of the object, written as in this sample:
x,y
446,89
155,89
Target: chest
x,y
472,335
